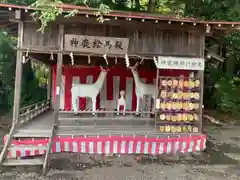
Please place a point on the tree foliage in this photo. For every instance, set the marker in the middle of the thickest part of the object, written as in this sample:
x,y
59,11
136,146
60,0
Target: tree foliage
x,y
7,63
30,82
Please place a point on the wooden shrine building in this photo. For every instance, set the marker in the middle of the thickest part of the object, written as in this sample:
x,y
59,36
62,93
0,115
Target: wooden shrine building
x,y
74,50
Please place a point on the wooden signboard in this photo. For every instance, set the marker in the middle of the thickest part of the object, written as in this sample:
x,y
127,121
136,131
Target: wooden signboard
x,y
180,63
96,44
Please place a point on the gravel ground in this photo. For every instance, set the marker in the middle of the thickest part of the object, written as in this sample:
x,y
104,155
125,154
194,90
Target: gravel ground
x,y
139,172
67,166
81,167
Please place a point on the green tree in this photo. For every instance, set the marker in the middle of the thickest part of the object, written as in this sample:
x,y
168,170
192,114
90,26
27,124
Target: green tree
x,y
7,64
30,82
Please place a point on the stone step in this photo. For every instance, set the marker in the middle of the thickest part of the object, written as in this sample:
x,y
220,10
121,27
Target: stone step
x,y
23,162
235,156
107,128
105,121
32,133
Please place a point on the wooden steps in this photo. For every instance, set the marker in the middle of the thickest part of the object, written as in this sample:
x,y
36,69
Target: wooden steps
x,y
37,161
122,118
107,128
104,130
235,156
105,121
32,133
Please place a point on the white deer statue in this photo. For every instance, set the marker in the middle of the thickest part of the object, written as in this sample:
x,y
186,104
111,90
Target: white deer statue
x,y
121,102
141,88
88,90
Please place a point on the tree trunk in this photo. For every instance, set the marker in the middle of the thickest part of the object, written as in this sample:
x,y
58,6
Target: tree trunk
x,y
137,5
230,64
132,4
224,53
192,7
188,7
151,6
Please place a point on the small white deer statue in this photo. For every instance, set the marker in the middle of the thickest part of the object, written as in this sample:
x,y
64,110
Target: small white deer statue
x,y
122,102
141,88
88,90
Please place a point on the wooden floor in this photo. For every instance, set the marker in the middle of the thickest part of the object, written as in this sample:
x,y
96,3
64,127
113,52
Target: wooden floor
x,y
71,125
39,127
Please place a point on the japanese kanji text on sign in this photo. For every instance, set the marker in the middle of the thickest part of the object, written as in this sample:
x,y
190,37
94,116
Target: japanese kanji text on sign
x,y
180,63
96,44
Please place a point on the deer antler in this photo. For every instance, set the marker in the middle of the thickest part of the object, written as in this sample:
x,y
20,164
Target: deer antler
x,y
136,65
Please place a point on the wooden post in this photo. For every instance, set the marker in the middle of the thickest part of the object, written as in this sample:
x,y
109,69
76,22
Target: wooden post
x,y
156,93
59,73
49,88
57,102
200,75
18,76
17,93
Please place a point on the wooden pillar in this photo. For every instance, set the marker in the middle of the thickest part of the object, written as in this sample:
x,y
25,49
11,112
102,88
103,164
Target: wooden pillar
x,y
200,75
59,73
18,77
50,86
57,102
156,94
17,92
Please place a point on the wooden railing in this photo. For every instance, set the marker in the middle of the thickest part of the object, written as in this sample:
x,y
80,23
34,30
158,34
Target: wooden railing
x,y
29,112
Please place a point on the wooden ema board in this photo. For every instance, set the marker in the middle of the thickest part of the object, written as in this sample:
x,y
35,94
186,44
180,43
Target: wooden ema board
x,y
178,105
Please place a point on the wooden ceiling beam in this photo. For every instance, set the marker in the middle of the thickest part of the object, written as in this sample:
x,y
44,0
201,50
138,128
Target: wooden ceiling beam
x,y
224,27
123,22
135,23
